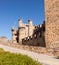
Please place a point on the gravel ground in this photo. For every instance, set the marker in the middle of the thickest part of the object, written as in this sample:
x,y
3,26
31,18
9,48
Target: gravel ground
x,y
45,59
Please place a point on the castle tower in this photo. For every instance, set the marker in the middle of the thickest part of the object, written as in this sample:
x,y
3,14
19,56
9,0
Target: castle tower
x,y
14,35
30,30
20,23
21,29
52,23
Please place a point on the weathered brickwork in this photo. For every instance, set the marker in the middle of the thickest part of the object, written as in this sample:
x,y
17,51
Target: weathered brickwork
x,y
52,23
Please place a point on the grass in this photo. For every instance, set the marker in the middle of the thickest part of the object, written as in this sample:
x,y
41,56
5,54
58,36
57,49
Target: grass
x,y
7,58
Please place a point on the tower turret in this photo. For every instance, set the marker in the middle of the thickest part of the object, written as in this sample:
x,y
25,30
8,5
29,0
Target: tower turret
x,y
30,22
21,29
14,35
20,24
30,30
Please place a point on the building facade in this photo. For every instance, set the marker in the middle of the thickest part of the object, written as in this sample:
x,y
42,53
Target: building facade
x,y
38,37
24,30
28,34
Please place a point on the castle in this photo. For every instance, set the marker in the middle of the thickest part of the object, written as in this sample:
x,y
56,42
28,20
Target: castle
x,y
46,35
43,38
29,34
24,30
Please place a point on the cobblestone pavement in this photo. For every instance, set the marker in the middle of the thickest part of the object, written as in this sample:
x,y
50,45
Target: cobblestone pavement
x,y
45,59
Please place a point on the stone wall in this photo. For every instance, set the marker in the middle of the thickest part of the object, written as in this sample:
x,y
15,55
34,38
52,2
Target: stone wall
x,y
36,49
52,23
25,47
38,37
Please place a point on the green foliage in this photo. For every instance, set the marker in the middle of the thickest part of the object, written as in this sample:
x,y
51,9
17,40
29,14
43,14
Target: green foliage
x,y
7,58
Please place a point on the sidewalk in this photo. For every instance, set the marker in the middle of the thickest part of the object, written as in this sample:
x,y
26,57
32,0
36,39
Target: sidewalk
x,y
45,59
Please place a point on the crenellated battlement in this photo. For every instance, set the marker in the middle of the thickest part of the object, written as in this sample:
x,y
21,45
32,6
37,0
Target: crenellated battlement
x,y
28,33
38,37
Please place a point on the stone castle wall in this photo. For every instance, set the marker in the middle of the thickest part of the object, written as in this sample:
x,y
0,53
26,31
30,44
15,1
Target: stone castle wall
x,y
52,23
38,37
37,49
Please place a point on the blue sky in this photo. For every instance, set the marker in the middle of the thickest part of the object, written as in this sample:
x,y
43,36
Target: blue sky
x,y
12,10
